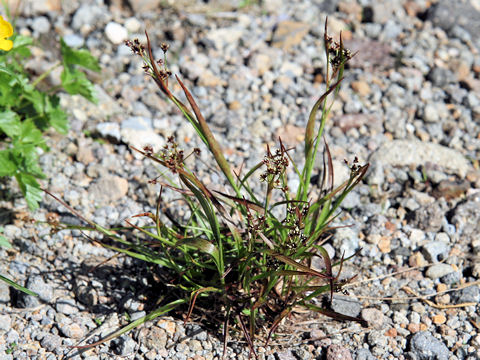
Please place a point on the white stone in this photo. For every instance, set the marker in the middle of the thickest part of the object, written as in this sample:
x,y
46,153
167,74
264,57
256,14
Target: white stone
x,y
132,25
116,33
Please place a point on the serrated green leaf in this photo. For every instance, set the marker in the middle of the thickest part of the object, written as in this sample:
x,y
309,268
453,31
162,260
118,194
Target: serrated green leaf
x,y
76,82
31,189
78,57
7,165
59,121
30,134
10,123
4,242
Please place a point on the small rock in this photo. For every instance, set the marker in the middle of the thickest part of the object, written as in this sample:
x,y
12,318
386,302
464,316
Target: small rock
x,y
38,285
426,347
85,16
439,319
363,354
66,306
466,217
374,317
288,34
470,294
440,77
416,153
41,25
435,251
138,131
384,244
361,87
4,293
5,322
109,130
338,352
116,33
346,305
51,342
124,345
438,270
108,189
260,62
448,14
285,355
132,25
371,54
428,218
224,36
73,331
144,6
74,40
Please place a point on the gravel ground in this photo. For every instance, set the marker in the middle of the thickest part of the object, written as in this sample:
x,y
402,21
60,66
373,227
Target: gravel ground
x,y
409,105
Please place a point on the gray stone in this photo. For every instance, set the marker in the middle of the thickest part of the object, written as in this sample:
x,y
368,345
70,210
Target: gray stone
x,y
144,6
41,25
428,218
440,77
346,305
435,251
416,153
374,317
51,342
109,130
346,241
74,40
446,14
426,347
138,131
4,293
363,354
88,15
116,33
438,270
108,188
124,345
466,217
285,355
5,322
37,284
335,352
66,306
451,278
469,294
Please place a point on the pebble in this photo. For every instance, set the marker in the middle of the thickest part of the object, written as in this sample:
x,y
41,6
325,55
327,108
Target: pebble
x,y
346,305
435,251
417,153
337,352
425,346
116,33
438,270
36,284
374,317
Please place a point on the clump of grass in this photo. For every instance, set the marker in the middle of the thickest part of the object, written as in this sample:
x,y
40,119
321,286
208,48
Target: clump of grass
x,y
234,250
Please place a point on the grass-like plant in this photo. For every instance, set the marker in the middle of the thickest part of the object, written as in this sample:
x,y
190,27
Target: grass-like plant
x,y
247,254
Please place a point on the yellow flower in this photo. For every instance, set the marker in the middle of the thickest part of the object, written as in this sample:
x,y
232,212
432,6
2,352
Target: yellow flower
x,y
6,31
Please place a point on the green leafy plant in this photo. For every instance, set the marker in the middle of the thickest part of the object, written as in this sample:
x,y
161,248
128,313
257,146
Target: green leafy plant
x,y
248,254
26,112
